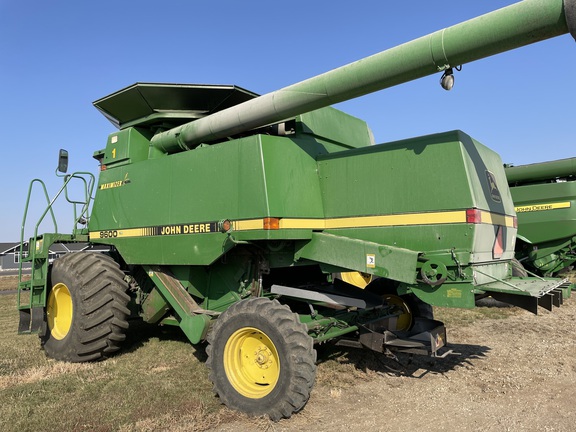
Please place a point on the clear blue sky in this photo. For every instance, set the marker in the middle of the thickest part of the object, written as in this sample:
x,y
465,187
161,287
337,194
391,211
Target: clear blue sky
x,y
57,57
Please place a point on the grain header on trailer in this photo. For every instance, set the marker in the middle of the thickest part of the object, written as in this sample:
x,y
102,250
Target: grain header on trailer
x,y
544,196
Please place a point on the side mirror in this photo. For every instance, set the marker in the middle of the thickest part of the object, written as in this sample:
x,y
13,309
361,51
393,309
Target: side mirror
x,y
63,161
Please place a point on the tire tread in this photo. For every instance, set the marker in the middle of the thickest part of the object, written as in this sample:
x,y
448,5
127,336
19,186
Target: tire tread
x,y
300,349
101,319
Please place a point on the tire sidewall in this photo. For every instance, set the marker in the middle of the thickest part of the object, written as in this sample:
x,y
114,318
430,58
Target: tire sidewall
x,y
63,349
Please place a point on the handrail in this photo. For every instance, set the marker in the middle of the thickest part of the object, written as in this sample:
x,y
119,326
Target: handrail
x,y
49,208
88,189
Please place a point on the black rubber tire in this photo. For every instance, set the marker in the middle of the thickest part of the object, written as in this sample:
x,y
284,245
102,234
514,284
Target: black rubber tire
x,y
295,355
99,317
417,307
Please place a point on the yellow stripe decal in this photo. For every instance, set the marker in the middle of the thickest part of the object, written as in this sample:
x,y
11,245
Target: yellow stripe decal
x,y
447,217
374,221
250,224
542,207
435,218
497,219
161,230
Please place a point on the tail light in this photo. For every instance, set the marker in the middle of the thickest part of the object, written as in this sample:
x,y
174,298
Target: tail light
x,y
473,216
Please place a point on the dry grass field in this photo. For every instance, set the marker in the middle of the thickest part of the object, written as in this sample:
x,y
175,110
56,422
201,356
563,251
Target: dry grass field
x,y
8,283
514,371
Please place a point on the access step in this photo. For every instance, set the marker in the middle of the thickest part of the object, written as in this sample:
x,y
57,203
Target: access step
x,y
530,292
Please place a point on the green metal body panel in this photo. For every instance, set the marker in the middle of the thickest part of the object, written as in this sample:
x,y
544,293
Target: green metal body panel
x,y
380,259
154,307
249,179
188,194
394,179
547,211
460,295
545,198
378,218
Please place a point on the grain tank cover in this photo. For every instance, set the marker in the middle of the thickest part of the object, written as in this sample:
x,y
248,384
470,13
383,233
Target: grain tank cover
x,y
168,105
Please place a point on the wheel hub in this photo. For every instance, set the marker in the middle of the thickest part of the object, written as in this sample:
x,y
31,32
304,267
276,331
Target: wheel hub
x,y
59,311
251,362
263,357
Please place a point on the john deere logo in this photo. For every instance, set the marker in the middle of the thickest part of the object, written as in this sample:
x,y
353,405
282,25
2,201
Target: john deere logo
x,y
494,192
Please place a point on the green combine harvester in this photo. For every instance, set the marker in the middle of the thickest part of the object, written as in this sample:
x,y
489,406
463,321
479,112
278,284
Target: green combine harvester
x,y
227,215
545,198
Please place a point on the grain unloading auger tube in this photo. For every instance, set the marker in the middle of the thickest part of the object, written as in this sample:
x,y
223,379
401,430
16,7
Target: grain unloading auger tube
x,y
511,27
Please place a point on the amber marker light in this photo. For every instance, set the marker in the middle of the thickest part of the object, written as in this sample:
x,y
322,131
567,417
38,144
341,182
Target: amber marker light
x,y
271,223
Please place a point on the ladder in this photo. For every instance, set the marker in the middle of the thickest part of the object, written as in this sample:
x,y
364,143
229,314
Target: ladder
x,y
31,296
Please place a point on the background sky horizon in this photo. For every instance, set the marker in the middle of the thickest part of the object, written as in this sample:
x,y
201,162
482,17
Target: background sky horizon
x,y
58,57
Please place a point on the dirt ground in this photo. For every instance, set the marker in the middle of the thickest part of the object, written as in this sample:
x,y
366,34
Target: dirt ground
x,y
513,374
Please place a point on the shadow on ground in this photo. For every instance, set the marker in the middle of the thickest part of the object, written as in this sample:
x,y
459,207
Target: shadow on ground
x,y
408,365
414,366
140,332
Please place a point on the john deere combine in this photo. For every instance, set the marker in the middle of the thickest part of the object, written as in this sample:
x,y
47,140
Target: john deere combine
x,y
227,214
545,198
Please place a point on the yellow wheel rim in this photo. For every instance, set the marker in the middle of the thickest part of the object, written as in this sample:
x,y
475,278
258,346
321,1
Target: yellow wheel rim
x,y
251,363
356,278
405,318
59,311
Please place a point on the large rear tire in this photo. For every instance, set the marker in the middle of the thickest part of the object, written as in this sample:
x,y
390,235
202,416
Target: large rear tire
x,y
261,359
86,311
